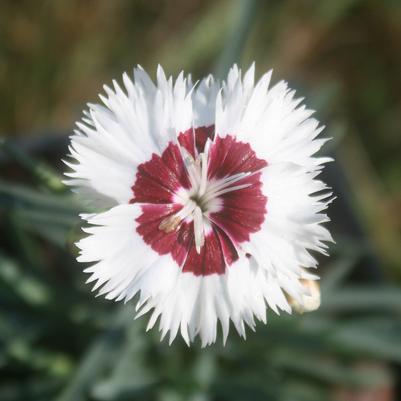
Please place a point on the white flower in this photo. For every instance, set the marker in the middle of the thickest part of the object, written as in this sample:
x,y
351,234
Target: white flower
x,y
212,197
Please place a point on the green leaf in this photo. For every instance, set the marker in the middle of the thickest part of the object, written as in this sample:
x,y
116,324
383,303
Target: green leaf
x,y
336,272
329,370
96,359
379,338
246,12
26,286
358,299
22,196
43,173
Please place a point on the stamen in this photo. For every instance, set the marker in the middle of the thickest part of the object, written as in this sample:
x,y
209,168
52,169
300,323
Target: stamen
x,y
211,195
226,181
171,223
204,165
198,229
191,166
203,178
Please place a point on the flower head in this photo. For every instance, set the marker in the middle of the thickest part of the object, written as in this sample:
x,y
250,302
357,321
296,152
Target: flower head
x,y
212,200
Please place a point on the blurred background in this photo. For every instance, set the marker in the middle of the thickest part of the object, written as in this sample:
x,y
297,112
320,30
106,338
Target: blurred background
x,y
57,342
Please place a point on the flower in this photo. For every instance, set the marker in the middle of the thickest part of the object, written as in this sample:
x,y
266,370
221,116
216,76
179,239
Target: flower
x,y
211,200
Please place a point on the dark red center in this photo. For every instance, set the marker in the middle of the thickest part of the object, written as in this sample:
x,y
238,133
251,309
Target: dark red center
x,y
241,212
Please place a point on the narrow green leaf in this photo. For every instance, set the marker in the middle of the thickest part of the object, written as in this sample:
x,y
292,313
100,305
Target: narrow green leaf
x,y
358,299
43,173
96,359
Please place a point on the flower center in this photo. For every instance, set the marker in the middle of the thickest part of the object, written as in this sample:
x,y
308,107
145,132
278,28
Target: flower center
x,y
201,198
